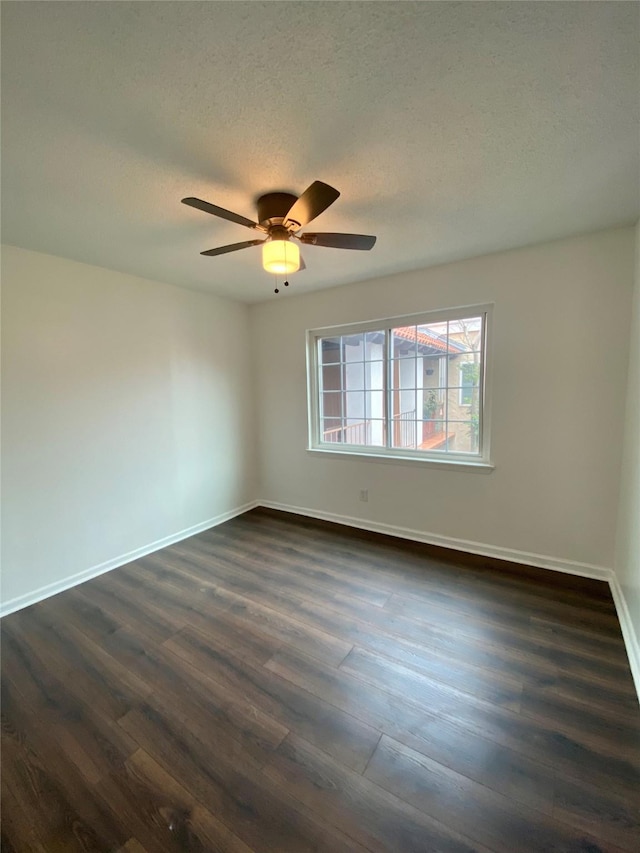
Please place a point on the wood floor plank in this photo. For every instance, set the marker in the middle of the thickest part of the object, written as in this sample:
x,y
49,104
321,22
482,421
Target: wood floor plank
x,y
540,648
428,646
207,612
502,649
507,615
279,684
502,593
133,846
231,721
339,733
162,812
566,716
605,814
197,698
265,818
442,648
125,611
90,741
404,561
363,811
88,671
279,626
18,834
397,714
25,673
434,693
433,671
317,580
480,813
49,787
452,647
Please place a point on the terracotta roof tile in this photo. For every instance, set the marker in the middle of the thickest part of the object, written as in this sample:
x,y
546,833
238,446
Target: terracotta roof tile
x,y
410,333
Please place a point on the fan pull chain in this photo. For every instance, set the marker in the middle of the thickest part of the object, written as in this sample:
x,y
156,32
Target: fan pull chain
x,y
276,290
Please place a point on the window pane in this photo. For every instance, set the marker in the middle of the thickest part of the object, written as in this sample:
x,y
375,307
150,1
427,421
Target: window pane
x,y
354,376
331,430
433,403
404,373
464,404
331,377
374,375
406,400
374,345
374,404
432,370
433,435
463,437
331,404
464,372
465,335
377,433
407,404
330,350
405,431
357,432
432,338
353,347
403,342
354,405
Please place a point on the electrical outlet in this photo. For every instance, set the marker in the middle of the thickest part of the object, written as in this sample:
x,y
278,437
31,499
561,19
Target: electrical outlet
x,y
364,495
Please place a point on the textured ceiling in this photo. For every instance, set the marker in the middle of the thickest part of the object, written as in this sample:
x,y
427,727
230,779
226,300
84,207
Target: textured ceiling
x,y
451,129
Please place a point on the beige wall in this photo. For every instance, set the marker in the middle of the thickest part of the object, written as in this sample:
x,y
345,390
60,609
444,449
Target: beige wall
x,y
628,539
559,361
126,416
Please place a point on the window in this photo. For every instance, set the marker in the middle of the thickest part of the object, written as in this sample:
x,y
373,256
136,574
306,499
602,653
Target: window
x,y
405,387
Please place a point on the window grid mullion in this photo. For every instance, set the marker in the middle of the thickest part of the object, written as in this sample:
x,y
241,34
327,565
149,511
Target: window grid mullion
x,y
446,395
343,407
483,333
388,387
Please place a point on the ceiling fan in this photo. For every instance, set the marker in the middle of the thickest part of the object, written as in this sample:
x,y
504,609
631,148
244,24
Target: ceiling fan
x,y
281,216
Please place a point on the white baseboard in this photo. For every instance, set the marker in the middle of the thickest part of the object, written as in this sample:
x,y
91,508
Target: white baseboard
x,y
80,577
628,632
541,561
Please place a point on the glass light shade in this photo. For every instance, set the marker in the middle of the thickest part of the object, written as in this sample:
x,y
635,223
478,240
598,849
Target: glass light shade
x,y
280,256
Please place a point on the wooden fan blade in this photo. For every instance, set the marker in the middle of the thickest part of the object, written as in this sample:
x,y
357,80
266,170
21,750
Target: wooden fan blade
x,y
219,211
313,201
233,247
363,242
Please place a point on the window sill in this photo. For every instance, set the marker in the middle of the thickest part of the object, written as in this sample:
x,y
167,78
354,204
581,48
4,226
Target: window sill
x,y
451,464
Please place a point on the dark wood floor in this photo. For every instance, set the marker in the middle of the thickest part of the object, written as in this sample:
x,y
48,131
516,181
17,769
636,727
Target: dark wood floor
x,y
280,684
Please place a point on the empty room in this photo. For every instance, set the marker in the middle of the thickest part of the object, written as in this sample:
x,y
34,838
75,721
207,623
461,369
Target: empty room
x,y
320,427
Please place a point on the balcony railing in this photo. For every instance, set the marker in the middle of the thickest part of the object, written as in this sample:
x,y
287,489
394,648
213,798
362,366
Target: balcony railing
x,y
359,433
405,429
405,432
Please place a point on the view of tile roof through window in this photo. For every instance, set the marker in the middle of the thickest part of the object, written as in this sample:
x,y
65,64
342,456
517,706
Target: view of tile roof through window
x,y
428,338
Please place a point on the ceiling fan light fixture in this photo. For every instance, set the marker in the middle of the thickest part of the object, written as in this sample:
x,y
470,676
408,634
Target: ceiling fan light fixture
x,y
280,257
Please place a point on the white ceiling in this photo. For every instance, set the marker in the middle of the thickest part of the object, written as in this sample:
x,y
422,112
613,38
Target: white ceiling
x,y
451,129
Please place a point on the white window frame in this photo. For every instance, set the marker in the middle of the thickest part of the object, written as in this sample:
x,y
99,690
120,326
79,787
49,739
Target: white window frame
x,y
481,460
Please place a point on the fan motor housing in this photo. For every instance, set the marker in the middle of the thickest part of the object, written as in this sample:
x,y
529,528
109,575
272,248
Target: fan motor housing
x,y
273,207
